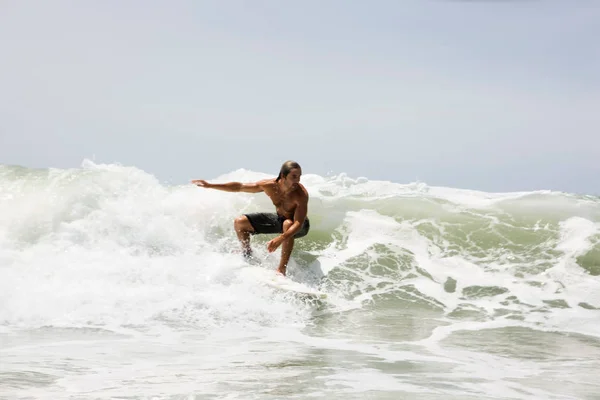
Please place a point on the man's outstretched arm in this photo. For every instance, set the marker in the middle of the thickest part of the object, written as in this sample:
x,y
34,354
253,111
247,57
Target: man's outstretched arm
x,y
255,187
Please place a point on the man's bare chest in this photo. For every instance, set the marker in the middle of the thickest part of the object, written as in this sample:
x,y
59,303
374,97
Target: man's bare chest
x,y
286,201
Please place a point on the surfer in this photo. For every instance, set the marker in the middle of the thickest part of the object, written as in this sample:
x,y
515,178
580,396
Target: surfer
x,y
290,220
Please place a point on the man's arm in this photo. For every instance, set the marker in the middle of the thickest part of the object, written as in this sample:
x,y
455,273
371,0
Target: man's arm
x,y
299,217
255,187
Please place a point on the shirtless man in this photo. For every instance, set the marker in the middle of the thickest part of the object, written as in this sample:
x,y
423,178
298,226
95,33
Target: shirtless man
x,y
290,199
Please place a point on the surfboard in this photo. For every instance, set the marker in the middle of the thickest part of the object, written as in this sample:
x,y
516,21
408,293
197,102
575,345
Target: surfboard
x,y
277,281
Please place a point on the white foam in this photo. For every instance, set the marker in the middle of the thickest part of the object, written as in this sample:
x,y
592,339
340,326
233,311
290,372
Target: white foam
x,y
110,246
575,234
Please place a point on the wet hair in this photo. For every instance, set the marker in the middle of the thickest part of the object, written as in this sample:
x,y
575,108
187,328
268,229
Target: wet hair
x,y
286,168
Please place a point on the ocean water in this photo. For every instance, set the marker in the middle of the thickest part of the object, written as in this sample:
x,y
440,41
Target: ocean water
x,y
115,286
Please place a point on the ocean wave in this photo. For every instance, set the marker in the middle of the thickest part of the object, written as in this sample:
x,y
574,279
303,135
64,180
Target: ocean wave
x,y
108,244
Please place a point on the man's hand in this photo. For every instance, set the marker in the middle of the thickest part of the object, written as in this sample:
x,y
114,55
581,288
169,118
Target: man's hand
x,y
201,183
274,243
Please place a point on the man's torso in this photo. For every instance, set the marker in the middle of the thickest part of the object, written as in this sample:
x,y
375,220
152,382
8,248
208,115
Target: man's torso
x,y
285,203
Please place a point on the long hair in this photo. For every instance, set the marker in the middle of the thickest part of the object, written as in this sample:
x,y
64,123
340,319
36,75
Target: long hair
x,y
286,168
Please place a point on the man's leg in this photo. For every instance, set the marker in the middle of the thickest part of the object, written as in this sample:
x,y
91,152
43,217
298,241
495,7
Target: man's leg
x,y
243,228
286,248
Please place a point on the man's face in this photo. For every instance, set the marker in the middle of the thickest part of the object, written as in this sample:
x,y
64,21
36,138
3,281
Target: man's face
x,y
293,177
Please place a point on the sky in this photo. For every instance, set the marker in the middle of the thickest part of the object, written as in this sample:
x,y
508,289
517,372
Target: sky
x,y
486,95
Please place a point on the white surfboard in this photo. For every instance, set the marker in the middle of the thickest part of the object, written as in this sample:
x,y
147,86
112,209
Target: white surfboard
x,y
277,281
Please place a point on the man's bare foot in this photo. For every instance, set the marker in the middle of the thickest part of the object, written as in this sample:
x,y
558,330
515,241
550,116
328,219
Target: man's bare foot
x,y
280,272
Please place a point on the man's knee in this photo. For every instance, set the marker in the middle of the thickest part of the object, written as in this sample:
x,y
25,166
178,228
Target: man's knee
x,y
303,230
242,224
286,224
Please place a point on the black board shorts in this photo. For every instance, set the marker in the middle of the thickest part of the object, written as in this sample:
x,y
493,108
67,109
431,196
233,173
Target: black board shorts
x,y
273,223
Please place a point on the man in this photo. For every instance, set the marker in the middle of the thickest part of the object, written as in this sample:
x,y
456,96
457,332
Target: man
x,y
290,199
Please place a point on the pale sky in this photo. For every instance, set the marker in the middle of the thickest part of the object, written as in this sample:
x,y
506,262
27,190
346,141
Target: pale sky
x,y
487,95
